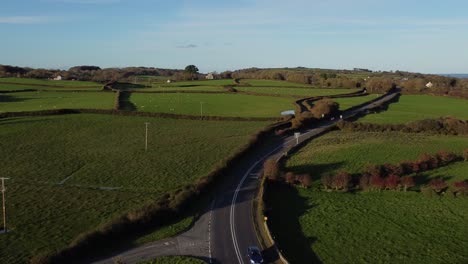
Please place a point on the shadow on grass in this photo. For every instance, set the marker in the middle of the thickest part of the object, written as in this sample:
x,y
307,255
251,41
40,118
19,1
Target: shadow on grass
x,y
11,99
285,207
126,103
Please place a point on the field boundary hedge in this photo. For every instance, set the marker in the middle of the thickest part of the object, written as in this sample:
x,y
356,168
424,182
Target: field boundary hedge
x,y
161,211
51,86
66,111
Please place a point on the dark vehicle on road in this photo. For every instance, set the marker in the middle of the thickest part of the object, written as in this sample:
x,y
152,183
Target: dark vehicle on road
x,y
254,254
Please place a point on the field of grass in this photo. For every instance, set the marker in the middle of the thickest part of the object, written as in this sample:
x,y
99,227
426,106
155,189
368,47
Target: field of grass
x,y
305,92
161,88
213,104
32,101
352,151
70,174
272,83
417,107
36,83
386,227
201,83
346,103
370,227
174,260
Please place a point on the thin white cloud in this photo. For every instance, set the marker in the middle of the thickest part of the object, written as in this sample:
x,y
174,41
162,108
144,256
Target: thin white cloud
x,y
87,1
24,19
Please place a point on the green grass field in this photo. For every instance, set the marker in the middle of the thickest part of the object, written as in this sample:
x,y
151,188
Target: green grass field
x,y
305,92
370,227
352,151
201,83
33,101
272,83
183,88
70,174
346,103
213,104
386,227
417,107
37,83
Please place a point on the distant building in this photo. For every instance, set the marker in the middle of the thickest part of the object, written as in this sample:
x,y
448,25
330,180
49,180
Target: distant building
x,y
58,78
169,81
209,76
429,85
361,70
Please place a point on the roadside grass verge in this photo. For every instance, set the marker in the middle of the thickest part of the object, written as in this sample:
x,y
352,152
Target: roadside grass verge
x,y
417,107
71,174
237,105
33,101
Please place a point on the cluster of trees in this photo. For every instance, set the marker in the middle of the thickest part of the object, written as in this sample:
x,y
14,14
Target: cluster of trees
x,y
322,108
86,73
444,125
378,82
395,177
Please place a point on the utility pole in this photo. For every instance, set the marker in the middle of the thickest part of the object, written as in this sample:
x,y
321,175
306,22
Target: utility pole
x,y
201,109
3,199
146,136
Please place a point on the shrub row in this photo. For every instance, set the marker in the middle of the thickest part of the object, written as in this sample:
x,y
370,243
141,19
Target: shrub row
x,y
392,177
163,210
118,100
444,125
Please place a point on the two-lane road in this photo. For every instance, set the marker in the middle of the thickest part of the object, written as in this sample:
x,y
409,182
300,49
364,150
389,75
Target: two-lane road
x,y
223,233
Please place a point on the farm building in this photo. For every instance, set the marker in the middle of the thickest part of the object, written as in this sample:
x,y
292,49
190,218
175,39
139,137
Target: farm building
x,y
429,85
58,78
209,76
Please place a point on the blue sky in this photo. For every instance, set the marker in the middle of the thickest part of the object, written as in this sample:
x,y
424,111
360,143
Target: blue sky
x,y
423,36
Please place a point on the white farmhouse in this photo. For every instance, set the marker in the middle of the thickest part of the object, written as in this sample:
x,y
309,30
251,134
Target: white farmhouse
x,y
58,78
209,76
429,85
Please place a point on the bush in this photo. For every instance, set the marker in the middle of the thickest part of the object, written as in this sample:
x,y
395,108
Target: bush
x,y
407,182
325,107
327,181
290,178
392,182
271,169
341,181
364,183
376,182
306,180
460,188
445,157
428,191
465,154
438,185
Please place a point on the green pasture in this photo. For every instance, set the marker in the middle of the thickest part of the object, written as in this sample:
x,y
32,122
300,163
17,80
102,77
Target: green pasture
x,y
272,83
40,100
201,83
349,102
417,107
70,174
305,92
236,105
353,151
36,83
313,226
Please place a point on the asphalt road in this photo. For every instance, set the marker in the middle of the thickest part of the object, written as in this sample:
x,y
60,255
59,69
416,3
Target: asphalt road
x,y
223,233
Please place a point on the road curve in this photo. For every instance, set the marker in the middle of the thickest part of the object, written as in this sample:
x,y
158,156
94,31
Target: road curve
x,y
223,233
